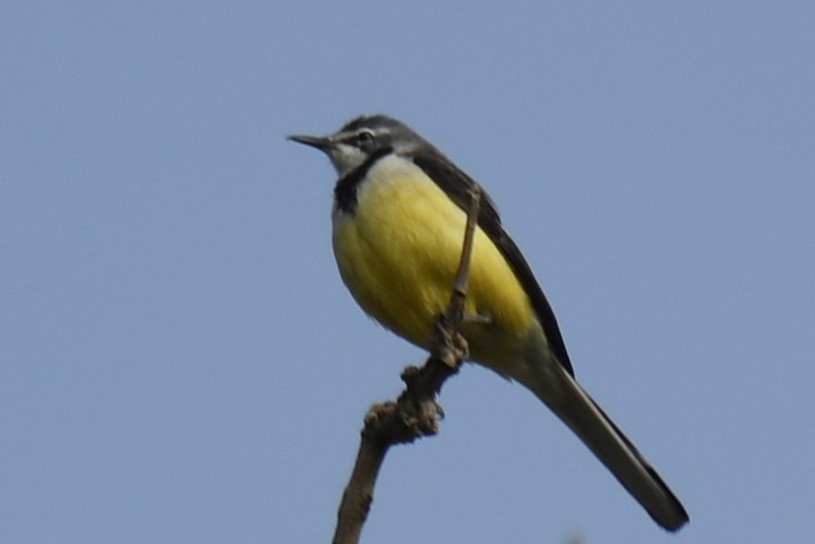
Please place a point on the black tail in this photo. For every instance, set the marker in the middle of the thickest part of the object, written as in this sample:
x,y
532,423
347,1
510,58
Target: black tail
x,y
564,396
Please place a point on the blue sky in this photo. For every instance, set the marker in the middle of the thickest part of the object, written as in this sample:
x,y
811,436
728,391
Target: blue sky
x,y
180,362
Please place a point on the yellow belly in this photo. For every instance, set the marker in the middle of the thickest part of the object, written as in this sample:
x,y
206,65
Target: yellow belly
x,y
399,252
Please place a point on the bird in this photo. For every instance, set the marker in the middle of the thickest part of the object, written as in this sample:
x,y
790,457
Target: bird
x,y
398,221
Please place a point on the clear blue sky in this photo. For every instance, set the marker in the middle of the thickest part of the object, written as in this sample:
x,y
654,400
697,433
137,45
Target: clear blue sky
x,y
180,362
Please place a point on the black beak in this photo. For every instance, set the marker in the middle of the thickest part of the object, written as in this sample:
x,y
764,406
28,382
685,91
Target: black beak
x,y
323,143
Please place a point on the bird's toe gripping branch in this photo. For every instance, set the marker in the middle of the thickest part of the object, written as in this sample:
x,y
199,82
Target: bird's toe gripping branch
x,y
447,344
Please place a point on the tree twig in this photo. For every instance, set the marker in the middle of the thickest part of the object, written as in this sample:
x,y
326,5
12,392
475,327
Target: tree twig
x,y
415,413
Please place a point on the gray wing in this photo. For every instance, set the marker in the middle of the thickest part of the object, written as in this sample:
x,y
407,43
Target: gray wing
x,y
457,185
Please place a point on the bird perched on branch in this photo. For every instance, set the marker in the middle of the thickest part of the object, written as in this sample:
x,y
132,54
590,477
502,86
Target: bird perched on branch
x,y
398,223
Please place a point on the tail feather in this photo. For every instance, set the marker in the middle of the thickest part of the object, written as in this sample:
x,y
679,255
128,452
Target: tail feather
x,y
564,396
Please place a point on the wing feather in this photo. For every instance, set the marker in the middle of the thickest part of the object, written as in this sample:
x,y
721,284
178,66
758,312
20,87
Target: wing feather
x,y
457,184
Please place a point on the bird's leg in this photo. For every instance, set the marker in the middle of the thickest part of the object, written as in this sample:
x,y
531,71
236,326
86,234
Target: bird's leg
x,y
448,345
483,319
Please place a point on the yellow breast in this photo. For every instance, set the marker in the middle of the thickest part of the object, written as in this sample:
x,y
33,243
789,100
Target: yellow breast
x,y
399,252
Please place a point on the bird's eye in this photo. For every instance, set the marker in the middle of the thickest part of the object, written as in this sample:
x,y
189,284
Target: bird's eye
x,y
365,138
